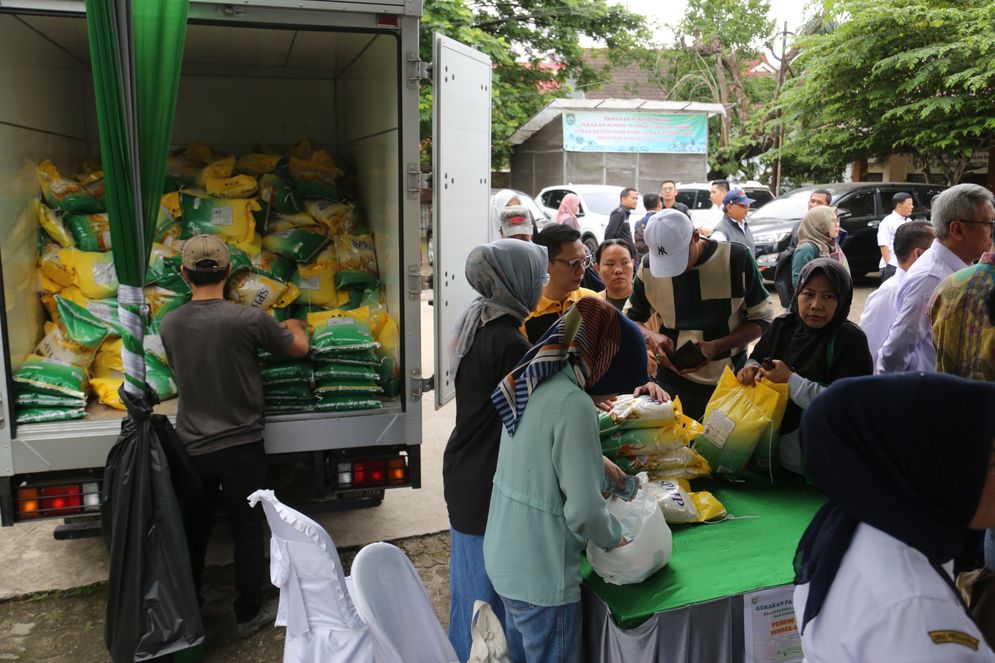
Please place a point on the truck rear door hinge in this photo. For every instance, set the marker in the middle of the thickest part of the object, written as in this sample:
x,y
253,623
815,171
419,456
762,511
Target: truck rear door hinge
x,y
417,181
420,70
420,385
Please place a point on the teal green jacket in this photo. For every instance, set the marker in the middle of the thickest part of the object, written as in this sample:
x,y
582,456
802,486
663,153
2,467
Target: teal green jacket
x,y
804,253
546,502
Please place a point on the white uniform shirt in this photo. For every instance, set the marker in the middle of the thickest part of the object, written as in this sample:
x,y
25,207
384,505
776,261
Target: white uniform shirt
x,y
886,236
909,346
879,313
887,604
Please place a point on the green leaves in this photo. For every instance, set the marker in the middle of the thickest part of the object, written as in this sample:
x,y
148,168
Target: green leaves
x,y
521,37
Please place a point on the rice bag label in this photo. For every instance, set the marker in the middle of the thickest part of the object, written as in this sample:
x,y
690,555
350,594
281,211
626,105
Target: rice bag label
x,y
104,274
719,428
340,322
221,216
313,283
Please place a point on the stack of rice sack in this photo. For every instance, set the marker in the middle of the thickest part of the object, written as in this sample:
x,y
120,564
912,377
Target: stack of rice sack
x,y
298,249
643,435
78,288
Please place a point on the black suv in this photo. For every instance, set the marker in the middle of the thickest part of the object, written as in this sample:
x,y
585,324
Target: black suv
x,y
861,207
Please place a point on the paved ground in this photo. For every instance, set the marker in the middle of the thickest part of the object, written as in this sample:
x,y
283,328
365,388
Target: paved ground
x,y
53,596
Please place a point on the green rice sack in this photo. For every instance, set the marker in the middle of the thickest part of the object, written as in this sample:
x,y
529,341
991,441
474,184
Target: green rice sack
x,y
355,358
37,415
51,376
92,231
334,370
341,403
77,336
292,393
343,334
347,386
277,193
289,373
297,244
160,377
27,398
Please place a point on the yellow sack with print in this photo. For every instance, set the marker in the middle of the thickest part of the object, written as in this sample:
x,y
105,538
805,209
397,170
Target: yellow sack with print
x,y
337,217
221,169
108,363
230,219
255,290
736,419
240,186
53,273
318,289
256,164
93,272
52,224
680,506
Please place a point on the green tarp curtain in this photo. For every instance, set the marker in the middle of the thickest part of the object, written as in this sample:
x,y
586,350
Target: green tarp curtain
x,y
136,52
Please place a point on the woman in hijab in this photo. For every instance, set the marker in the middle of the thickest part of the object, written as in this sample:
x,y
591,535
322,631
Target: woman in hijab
x,y
567,213
810,347
906,463
509,276
546,501
817,236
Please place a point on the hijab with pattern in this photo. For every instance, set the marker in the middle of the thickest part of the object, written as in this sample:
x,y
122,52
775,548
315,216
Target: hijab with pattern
x,y
509,274
605,350
909,476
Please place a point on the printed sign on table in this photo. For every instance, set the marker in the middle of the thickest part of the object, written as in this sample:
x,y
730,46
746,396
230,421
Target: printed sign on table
x,y
628,131
769,627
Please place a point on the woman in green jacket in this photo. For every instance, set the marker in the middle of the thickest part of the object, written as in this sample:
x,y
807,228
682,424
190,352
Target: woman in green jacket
x,y
817,235
546,503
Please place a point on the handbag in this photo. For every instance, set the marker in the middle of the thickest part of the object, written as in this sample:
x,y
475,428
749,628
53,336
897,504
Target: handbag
x,y
488,641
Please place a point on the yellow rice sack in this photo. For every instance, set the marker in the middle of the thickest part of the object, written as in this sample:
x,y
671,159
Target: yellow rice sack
x,y
256,164
240,186
53,225
337,217
255,290
221,169
318,289
93,272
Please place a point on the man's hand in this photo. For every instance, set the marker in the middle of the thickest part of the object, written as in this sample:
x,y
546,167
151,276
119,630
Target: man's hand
x,y
780,374
654,391
652,365
299,347
748,375
614,473
661,347
605,405
294,323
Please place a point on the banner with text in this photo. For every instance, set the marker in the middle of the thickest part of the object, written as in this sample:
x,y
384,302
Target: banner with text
x,y
769,627
629,131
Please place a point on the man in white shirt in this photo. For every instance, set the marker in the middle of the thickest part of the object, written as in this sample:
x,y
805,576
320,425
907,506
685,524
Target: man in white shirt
x,y
902,204
911,241
962,217
718,191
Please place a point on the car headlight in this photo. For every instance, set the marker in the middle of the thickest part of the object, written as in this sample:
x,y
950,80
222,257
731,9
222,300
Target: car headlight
x,y
771,237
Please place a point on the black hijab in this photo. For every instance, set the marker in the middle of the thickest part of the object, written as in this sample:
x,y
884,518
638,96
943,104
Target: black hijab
x,y
837,350
884,452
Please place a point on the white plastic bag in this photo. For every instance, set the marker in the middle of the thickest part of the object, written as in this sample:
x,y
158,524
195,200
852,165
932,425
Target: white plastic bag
x,y
489,644
650,540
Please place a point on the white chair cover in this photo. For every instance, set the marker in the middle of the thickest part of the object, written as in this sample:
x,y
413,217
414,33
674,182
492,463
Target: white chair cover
x,y
322,621
392,600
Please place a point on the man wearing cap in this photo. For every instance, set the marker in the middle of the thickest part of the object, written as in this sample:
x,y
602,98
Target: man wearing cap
x,y
733,227
902,204
516,223
212,345
705,292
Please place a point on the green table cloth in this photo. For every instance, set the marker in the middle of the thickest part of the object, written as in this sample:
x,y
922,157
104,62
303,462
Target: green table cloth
x,y
751,550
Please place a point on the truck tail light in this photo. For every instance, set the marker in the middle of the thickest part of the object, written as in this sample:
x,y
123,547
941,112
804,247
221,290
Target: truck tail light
x,y
91,496
396,471
28,504
369,473
61,500
345,474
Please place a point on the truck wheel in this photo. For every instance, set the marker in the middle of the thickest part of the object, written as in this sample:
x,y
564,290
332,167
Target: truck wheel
x,y
591,243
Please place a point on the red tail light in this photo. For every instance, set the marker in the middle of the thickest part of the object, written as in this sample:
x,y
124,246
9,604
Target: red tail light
x,y
369,473
60,500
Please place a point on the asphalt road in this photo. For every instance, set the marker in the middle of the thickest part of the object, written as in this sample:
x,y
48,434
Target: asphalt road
x,y
34,562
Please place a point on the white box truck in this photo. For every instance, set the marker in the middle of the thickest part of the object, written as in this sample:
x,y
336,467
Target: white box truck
x,y
344,74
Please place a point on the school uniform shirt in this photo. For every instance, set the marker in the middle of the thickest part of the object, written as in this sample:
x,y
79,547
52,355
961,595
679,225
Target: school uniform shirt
x,y
718,295
909,346
886,236
548,311
887,604
879,313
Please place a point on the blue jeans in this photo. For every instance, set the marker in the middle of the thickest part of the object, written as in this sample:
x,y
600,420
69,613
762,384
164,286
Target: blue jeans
x,y
990,549
540,634
468,582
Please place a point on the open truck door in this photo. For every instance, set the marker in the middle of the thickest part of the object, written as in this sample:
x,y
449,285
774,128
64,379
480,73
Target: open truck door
x,y
461,175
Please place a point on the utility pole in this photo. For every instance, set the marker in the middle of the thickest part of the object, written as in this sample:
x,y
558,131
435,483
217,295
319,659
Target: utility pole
x,y
779,133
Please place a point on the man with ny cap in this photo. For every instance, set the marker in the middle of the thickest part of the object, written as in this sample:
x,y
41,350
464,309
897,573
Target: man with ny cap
x,y
703,292
213,347
733,226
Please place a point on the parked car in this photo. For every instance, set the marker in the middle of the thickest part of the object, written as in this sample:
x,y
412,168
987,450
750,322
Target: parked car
x,y
539,218
697,197
597,202
860,205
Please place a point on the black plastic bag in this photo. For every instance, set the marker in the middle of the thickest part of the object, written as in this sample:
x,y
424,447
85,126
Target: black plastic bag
x,y
152,607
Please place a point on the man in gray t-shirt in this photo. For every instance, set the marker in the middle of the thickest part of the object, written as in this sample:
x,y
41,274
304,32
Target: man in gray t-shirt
x,y
212,346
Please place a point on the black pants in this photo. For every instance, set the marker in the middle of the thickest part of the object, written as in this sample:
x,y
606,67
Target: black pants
x,y
231,475
888,272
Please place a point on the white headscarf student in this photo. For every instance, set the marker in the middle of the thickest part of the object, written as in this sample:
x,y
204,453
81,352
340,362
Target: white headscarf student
x,y
906,464
500,200
487,344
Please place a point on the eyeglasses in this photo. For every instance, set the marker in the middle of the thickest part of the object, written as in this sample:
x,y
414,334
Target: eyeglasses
x,y
990,224
576,263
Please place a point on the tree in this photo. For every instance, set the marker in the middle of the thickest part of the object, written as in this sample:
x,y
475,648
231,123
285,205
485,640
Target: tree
x,y
897,76
535,48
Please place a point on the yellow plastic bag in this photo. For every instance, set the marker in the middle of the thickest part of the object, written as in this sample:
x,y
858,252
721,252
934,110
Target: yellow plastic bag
x,y
256,164
317,319
107,391
338,217
52,224
736,419
255,290
240,186
93,272
108,363
317,290
356,253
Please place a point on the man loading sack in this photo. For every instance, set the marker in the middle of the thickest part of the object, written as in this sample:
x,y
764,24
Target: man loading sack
x,y
711,304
